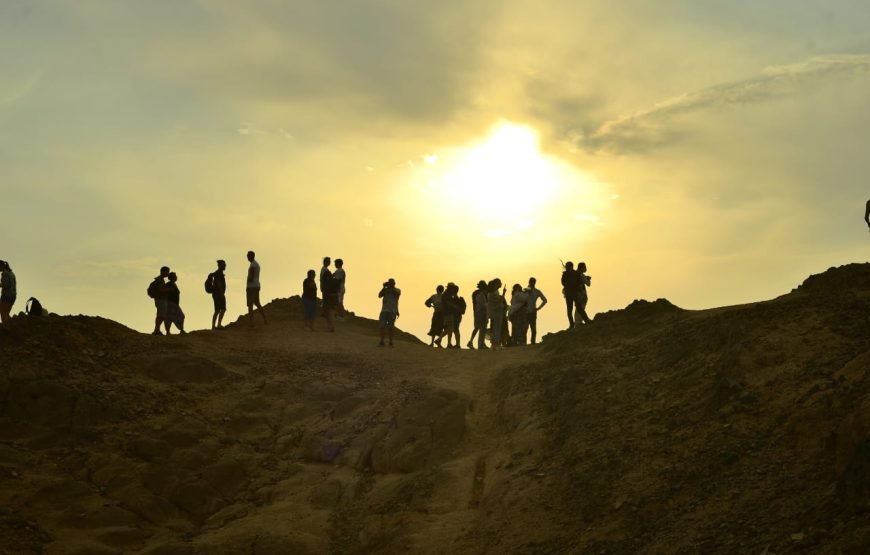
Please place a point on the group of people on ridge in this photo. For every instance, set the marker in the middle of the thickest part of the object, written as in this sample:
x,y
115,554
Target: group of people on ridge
x,y
574,284
508,323
332,290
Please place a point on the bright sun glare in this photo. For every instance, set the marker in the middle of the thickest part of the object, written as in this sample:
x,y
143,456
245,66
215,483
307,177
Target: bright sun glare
x,y
503,178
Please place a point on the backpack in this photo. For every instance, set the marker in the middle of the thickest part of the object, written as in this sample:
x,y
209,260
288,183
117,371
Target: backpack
x,y
153,288
460,304
34,307
209,284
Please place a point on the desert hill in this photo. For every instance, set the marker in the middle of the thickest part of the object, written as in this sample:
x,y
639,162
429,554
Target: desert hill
x,y
741,429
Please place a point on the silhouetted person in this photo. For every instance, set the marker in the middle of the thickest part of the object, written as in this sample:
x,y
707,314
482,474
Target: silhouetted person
x,y
329,292
157,291
218,294
461,307
495,309
534,294
583,281
478,306
867,213
570,287
8,290
452,310
252,289
519,310
340,278
436,328
309,299
389,309
174,314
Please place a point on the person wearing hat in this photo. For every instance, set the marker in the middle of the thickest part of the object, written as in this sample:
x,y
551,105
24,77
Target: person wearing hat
x,y
478,304
9,290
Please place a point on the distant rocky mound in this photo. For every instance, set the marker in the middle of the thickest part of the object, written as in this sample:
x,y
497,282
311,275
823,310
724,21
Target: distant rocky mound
x,y
653,430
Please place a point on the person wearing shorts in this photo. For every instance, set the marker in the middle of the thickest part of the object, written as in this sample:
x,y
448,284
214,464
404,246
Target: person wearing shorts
x,y
8,290
219,295
389,309
252,289
309,299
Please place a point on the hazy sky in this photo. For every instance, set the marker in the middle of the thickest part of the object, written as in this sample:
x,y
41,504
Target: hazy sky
x,y
708,151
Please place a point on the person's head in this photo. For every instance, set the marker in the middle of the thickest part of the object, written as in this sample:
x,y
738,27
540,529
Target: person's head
x,y
164,271
4,265
439,289
516,288
495,284
311,274
222,265
481,284
339,262
532,282
569,265
251,255
581,266
390,283
326,261
173,277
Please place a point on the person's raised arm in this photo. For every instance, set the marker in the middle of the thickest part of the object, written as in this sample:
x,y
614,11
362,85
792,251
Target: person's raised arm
x,y
381,294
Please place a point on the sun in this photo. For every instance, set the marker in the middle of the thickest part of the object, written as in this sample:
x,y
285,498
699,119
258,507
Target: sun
x,y
503,178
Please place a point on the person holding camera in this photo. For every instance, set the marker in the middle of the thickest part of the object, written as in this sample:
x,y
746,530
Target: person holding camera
x,y
389,309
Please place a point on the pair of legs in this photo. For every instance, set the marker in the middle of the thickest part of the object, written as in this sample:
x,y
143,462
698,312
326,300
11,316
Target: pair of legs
x,y
479,330
309,311
569,302
174,315
387,322
160,319
253,298
5,308
329,304
496,325
436,329
533,325
220,308
519,330
582,317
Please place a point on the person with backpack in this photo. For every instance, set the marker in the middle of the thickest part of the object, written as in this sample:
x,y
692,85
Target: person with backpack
x,y
252,289
216,286
174,314
157,291
478,305
8,290
534,294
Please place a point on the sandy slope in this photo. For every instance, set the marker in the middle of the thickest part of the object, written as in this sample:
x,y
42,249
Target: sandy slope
x,y
736,430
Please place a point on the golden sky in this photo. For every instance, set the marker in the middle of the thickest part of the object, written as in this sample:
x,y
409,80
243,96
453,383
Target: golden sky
x,y
706,151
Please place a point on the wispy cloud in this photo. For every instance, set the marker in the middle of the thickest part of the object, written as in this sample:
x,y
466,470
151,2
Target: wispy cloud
x,y
656,126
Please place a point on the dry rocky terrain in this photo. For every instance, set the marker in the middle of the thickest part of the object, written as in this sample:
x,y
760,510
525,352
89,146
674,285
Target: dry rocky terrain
x,y
743,429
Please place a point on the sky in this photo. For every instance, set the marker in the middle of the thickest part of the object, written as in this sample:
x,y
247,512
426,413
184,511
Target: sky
x,y
710,152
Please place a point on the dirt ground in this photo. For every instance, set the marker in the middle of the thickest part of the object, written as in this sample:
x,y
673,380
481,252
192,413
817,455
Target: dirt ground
x,y
654,430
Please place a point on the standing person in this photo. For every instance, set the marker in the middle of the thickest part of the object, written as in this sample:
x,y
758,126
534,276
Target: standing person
x,y
478,306
157,291
309,299
583,282
495,306
9,287
436,328
252,289
340,277
329,292
461,307
534,294
389,309
174,314
518,316
218,294
570,286
450,310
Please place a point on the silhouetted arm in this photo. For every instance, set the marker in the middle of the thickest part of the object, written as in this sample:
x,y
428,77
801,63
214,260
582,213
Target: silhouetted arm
x,y
543,298
867,213
381,294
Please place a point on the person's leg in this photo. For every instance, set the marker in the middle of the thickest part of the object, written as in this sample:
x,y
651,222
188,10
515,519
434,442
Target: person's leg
x,y
220,323
533,325
5,309
481,339
390,331
214,318
259,306
581,310
569,302
383,324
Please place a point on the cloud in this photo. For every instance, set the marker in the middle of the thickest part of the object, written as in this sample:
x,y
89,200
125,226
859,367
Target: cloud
x,y
655,126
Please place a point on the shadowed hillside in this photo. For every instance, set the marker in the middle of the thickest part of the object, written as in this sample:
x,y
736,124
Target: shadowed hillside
x,y
655,430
